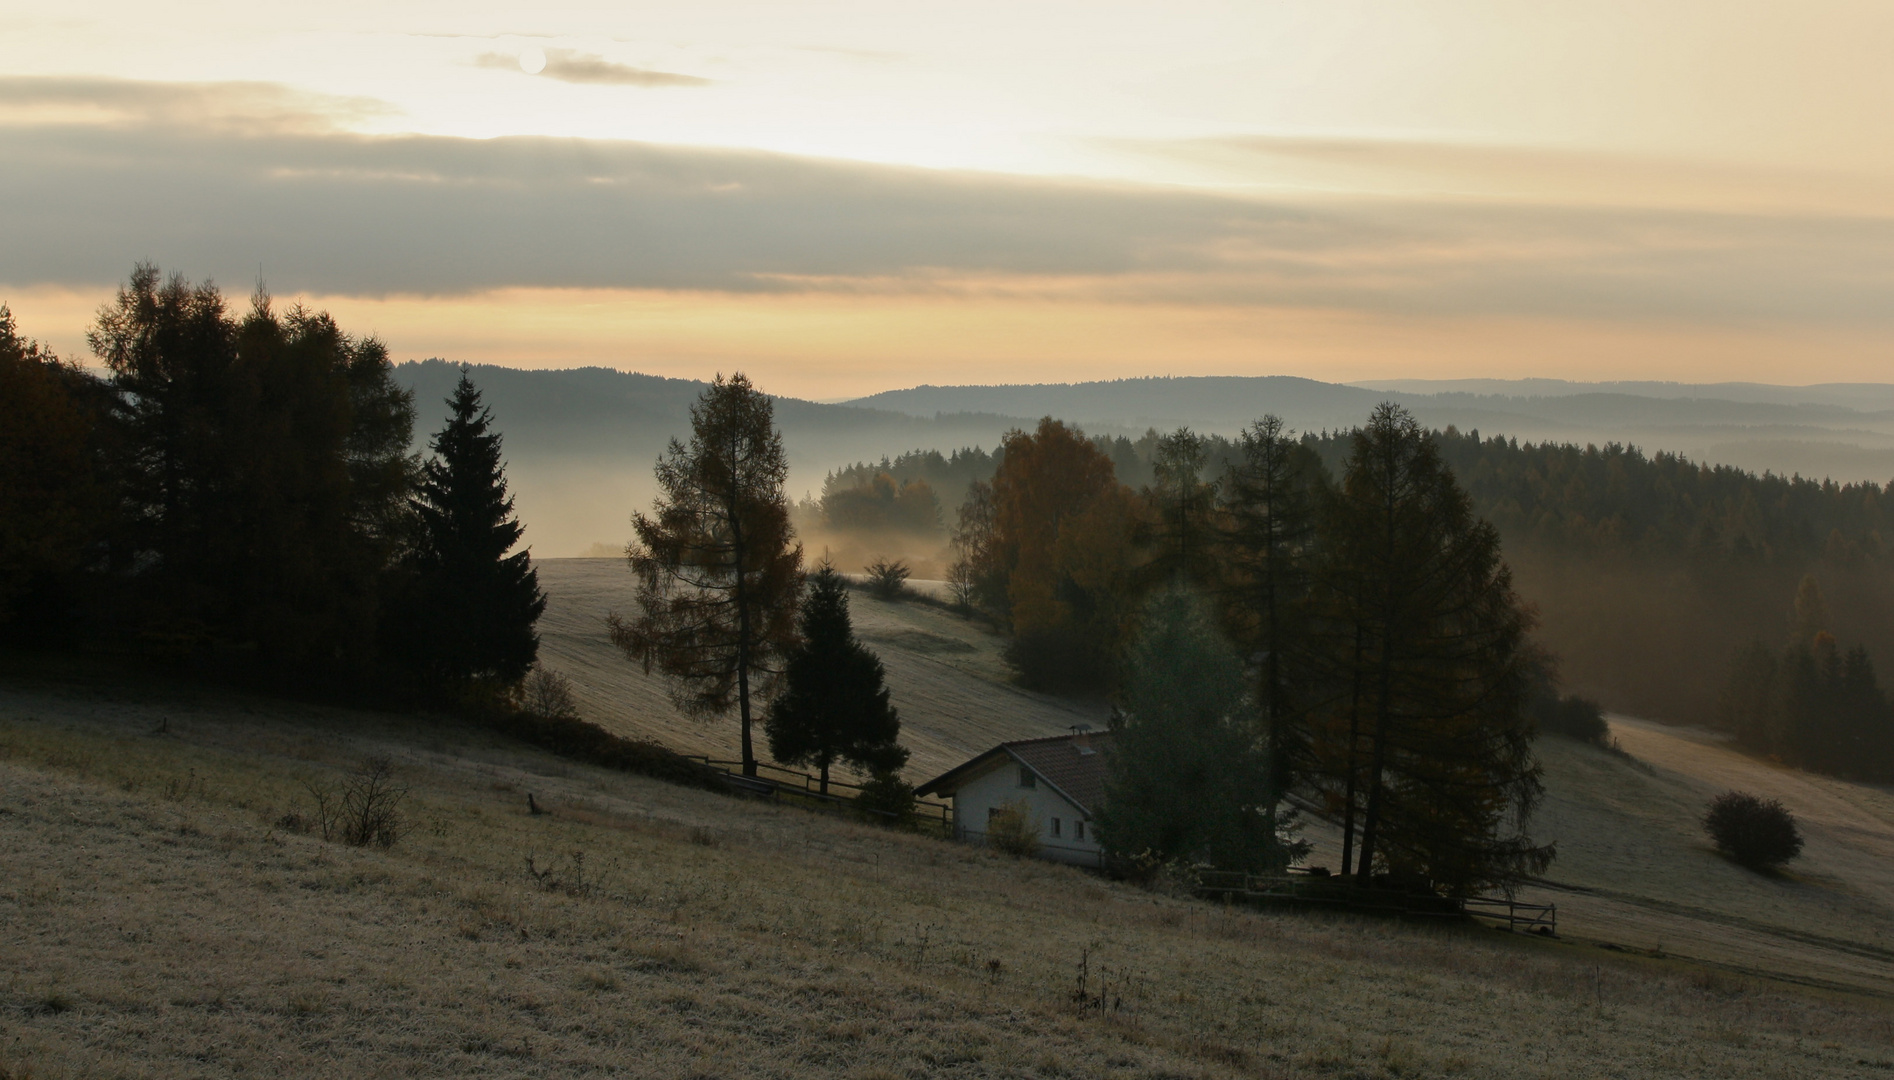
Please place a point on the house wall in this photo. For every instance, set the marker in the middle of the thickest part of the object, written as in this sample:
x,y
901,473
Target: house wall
x,y
1000,786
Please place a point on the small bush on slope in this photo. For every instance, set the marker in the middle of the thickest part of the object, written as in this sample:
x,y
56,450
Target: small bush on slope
x,y
1758,833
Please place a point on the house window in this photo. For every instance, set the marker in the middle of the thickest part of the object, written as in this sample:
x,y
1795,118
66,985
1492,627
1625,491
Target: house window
x,y
993,812
1027,778
1055,826
1078,830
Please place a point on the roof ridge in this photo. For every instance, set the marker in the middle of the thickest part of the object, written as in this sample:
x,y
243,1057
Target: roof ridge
x,y
1057,738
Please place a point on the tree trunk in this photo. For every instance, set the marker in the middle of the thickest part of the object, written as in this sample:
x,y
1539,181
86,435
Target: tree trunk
x,y
739,555
825,776
1354,740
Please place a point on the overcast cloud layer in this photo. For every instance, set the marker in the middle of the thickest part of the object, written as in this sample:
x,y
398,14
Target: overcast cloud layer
x,y
195,188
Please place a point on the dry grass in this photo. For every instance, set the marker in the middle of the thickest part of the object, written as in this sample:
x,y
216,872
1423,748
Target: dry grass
x,y
158,921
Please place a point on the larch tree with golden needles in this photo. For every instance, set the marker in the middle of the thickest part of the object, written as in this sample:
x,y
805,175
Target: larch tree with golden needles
x,y
718,566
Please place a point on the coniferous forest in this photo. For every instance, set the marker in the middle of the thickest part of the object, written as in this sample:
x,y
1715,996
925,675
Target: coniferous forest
x,y
237,494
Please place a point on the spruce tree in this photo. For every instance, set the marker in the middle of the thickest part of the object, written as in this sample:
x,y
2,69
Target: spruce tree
x,y
470,607
1188,775
833,705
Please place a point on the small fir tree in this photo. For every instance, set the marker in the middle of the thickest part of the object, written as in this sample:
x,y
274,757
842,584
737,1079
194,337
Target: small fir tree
x,y
470,607
833,706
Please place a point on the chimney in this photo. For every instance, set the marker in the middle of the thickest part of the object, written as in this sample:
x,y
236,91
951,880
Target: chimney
x,y
1082,738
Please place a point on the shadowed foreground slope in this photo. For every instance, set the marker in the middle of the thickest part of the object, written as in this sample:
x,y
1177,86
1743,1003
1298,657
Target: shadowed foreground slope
x,y
160,921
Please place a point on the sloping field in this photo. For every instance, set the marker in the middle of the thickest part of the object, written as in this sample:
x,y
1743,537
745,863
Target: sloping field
x,y
162,916
944,674
1634,868
1629,838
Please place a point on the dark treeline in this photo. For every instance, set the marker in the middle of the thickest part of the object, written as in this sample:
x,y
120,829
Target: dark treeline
x,y
237,493
1651,574
1268,632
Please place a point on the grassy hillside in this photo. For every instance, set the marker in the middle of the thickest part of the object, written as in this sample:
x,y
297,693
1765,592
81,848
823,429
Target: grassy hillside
x,y
1634,868
161,920
945,674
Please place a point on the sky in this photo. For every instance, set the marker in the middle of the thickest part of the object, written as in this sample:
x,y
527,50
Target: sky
x,y
843,198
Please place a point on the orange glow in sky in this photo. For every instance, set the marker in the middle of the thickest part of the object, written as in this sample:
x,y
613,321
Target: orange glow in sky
x,y
842,198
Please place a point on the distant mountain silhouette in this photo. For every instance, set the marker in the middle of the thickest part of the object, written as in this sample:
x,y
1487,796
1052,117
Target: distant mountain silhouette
x,y
1840,430
581,442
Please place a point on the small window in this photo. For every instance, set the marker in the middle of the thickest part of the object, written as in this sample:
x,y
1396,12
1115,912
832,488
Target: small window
x,y
992,812
1078,830
1055,826
1027,778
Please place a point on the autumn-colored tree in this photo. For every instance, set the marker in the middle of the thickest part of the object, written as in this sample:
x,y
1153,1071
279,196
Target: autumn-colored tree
x,y
717,563
1062,541
1426,737
53,498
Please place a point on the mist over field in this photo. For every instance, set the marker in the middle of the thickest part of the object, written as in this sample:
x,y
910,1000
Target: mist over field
x,y
581,442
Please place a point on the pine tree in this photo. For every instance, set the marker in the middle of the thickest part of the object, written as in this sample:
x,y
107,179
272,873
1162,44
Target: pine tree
x,y
470,608
1427,668
717,564
833,705
1188,775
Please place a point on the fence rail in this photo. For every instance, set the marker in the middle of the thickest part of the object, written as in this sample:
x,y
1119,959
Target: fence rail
x,y
773,781
1308,889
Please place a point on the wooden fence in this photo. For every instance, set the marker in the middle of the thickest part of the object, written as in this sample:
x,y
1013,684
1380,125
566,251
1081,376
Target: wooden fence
x,y
774,782
1305,889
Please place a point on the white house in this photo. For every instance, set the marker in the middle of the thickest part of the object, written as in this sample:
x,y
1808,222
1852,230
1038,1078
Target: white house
x,y
1060,781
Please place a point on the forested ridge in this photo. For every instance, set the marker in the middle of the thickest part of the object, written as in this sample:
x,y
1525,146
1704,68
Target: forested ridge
x,y
1653,576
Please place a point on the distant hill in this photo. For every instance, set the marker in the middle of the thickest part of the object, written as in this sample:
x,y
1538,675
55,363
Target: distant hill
x,y
1843,431
581,442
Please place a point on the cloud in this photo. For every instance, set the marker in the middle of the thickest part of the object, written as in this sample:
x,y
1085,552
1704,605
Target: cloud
x,y
339,213
227,107
567,65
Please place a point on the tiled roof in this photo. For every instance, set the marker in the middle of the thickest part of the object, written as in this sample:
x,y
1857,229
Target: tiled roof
x,y
1061,760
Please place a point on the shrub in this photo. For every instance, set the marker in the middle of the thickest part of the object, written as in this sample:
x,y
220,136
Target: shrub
x,y
1758,833
1012,830
548,694
367,808
580,740
887,797
888,579
1573,717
